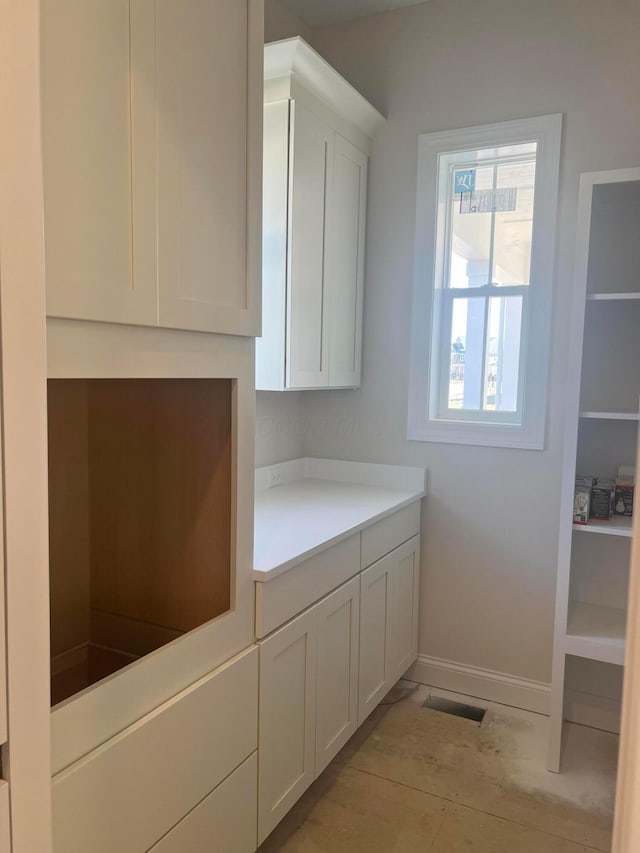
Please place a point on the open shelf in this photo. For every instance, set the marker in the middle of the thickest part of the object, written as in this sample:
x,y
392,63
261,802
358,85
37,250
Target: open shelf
x,y
596,632
619,525
613,297
612,416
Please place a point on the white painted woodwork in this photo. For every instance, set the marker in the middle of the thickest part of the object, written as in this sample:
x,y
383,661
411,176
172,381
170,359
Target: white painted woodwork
x,y
288,594
270,348
375,635
133,789
321,502
202,93
77,349
405,588
152,140
345,263
287,728
311,187
294,60
24,431
95,163
588,623
626,826
5,834
337,674
226,820
315,183
385,535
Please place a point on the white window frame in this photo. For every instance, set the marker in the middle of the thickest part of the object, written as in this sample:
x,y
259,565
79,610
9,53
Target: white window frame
x,y
526,430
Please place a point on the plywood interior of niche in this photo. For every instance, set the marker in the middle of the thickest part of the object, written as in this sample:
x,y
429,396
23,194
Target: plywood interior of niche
x,y
140,516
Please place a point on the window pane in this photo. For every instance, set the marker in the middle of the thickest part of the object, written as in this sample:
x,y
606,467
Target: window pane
x,y
491,217
466,348
513,228
502,367
484,360
470,233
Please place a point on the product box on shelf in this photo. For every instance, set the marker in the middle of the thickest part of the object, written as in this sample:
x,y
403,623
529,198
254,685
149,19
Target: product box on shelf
x,y
582,499
625,489
602,499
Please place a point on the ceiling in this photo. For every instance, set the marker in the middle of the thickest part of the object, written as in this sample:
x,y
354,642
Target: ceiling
x,y
320,13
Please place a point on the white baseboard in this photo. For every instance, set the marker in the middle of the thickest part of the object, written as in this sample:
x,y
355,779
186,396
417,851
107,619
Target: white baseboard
x,y
482,683
598,712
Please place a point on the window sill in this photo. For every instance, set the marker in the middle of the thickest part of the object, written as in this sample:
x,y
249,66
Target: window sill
x,y
484,435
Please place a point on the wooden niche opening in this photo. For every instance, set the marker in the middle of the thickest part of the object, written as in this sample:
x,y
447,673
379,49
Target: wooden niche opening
x,y
140,519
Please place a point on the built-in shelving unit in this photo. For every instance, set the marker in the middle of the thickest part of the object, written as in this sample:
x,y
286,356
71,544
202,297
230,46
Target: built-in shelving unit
x,y
612,297
618,526
601,431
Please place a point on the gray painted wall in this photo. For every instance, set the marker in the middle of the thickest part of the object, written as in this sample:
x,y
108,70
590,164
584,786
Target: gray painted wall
x,y
491,520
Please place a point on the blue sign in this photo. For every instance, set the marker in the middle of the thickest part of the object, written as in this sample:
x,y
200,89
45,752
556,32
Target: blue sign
x,y
464,181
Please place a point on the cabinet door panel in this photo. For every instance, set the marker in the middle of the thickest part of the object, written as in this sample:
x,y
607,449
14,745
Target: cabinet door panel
x,y
375,657
225,821
89,144
287,719
345,263
311,167
404,606
202,98
338,644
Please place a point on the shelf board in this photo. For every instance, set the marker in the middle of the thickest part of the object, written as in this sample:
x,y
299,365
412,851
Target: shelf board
x,y
612,416
618,525
596,632
612,297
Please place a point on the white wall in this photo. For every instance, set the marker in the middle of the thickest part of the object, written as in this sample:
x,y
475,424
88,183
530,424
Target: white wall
x,y
281,23
491,521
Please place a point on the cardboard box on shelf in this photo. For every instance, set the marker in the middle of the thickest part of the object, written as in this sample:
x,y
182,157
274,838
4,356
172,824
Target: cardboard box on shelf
x,y
625,490
602,499
582,499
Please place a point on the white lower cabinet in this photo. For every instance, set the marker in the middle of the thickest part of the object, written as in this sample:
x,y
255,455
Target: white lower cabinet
x,y
323,673
224,822
287,729
388,623
405,583
375,636
337,676
129,793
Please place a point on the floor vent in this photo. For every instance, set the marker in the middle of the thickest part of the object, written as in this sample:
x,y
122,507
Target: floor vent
x,y
457,709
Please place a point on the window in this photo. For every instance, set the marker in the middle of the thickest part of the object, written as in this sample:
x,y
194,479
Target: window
x,y
486,219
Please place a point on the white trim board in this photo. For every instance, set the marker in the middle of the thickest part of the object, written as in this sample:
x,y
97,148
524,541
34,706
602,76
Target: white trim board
x,y
482,683
585,709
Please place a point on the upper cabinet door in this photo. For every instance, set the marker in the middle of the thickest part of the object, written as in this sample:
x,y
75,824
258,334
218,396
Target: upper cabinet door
x,y
207,70
152,136
89,143
311,181
345,263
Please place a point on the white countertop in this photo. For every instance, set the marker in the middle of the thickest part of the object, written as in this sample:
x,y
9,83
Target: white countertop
x,y
319,502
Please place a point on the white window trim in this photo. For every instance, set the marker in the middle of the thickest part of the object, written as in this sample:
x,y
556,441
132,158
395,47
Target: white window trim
x,y
423,425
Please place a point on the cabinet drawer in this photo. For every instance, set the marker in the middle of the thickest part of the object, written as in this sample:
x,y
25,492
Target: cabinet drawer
x,y
385,535
285,596
5,840
226,821
125,795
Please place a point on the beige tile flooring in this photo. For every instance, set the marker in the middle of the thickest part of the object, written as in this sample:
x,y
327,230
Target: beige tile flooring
x,y
418,780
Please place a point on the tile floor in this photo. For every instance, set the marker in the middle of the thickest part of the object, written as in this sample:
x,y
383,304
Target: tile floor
x,y
416,780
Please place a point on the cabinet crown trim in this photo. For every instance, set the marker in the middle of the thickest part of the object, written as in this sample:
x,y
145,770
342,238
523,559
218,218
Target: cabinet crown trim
x,y
294,57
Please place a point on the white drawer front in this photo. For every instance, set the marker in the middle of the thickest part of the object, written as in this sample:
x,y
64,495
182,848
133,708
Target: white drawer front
x,y
285,596
383,536
125,795
225,822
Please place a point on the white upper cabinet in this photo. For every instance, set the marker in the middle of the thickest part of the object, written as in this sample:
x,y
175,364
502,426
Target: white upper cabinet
x,y
152,140
317,133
